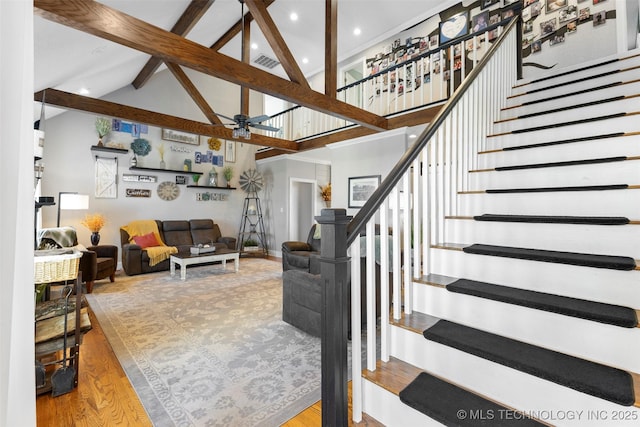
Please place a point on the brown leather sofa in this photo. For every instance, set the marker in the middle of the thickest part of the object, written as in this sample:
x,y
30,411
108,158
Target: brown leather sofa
x,y
182,234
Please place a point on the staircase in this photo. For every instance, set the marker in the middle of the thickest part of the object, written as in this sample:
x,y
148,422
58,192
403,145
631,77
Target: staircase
x,y
522,306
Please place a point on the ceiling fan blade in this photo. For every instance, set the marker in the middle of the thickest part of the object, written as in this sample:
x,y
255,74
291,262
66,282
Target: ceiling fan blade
x,y
258,119
264,127
225,117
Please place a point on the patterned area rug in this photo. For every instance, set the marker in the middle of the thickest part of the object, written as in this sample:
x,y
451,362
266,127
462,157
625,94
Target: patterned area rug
x,y
212,350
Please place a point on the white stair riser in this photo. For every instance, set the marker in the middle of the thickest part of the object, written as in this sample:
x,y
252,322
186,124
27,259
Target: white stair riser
x,y
387,408
569,101
623,172
609,147
512,388
608,203
593,284
620,124
597,239
622,106
621,66
606,344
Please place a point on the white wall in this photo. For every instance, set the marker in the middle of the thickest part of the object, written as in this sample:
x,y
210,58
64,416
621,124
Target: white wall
x,y
69,162
17,373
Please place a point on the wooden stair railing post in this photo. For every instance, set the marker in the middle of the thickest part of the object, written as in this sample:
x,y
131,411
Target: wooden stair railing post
x,y
334,269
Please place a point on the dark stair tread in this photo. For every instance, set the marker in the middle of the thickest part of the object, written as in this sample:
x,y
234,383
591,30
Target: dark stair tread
x,y
554,219
444,402
562,124
558,189
565,163
612,384
565,108
565,141
613,262
596,311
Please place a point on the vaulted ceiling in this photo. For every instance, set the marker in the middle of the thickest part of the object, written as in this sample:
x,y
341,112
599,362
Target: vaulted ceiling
x,y
82,45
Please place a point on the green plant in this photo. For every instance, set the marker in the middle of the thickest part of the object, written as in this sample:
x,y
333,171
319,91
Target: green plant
x,y
103,126
250,242
195,178
228,173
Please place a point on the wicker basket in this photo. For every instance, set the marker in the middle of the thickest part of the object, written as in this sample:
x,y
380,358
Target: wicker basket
x,y
56,268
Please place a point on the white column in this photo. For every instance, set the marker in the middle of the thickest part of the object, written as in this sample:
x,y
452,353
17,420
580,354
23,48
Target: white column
x,y
17,372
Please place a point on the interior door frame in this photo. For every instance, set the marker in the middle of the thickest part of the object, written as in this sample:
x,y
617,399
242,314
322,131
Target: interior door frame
x,y
292,204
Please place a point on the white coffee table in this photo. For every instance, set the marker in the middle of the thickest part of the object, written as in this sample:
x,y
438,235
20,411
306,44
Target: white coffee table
x,y
183,260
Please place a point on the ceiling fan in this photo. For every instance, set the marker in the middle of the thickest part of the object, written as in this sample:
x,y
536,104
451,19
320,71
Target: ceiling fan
x,y
243,121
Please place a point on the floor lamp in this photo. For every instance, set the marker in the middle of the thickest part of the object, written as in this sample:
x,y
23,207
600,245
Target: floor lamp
x,y
71,201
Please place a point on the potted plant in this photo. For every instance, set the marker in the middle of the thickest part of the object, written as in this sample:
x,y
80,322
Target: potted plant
x,y
103,127
196,178
325,193
251,245
94,223
228,174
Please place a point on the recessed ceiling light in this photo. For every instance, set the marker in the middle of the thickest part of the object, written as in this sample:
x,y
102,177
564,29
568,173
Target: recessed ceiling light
x,y
293,16
84,91
413,135
305,60
254,46
357,31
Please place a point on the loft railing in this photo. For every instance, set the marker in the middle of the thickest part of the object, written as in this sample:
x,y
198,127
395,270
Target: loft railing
x,y
412,201
426,79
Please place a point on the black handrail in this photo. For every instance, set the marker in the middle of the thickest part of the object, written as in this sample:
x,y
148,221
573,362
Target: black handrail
x,y
357,225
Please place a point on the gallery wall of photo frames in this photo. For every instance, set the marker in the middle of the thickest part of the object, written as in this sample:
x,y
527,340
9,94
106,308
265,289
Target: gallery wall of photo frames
x,y
553,20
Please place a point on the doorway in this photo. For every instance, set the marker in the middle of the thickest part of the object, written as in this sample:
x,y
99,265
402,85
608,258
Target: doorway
x,y
352,73
302,207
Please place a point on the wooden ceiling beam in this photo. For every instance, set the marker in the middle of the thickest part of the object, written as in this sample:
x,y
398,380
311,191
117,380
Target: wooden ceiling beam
x,y
139,115
194,93
190,17
276,41
111,24
331,48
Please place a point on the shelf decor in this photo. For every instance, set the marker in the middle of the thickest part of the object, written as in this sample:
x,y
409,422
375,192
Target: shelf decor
x,y
103,127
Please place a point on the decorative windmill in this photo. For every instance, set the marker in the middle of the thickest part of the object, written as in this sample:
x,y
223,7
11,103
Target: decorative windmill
x,y
251,237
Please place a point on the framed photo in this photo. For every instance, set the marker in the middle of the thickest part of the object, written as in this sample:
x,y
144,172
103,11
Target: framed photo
x,y
230,151
486,3
553,5
480,21
599,18
361,188
568,14
177,136
547,27
454,27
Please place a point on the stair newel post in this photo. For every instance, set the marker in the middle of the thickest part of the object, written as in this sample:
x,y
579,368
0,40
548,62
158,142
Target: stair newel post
x,y
334,268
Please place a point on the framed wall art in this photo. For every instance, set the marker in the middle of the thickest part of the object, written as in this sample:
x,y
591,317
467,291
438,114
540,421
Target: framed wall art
x,y
177,136
230,151
106,184
361,188
454,27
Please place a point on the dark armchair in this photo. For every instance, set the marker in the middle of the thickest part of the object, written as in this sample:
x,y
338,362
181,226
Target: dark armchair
x,y
99,262
301,300
302,255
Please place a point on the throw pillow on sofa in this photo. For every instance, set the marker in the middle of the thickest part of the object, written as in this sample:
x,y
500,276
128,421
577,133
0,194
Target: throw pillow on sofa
x,y
146,240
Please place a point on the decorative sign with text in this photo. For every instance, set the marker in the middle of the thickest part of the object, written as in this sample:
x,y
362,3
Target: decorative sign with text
x,y
138,192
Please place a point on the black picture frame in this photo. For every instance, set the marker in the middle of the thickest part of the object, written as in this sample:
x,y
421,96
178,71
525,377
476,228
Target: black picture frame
x,y
361,188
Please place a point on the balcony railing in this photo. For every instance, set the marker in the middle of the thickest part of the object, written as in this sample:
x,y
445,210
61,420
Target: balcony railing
x,y
426,79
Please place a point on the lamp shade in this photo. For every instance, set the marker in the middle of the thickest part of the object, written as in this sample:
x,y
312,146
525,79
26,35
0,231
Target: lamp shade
x,y
70,201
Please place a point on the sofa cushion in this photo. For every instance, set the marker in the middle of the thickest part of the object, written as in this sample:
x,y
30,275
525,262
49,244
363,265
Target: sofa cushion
x,y
176,233
204,231
146,240
299,260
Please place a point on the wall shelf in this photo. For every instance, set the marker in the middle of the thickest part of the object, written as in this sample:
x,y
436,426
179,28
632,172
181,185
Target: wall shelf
x,y
180,172
209,186
109,149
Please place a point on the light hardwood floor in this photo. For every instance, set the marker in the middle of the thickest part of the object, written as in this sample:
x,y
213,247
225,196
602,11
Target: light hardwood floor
x,y
104,396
